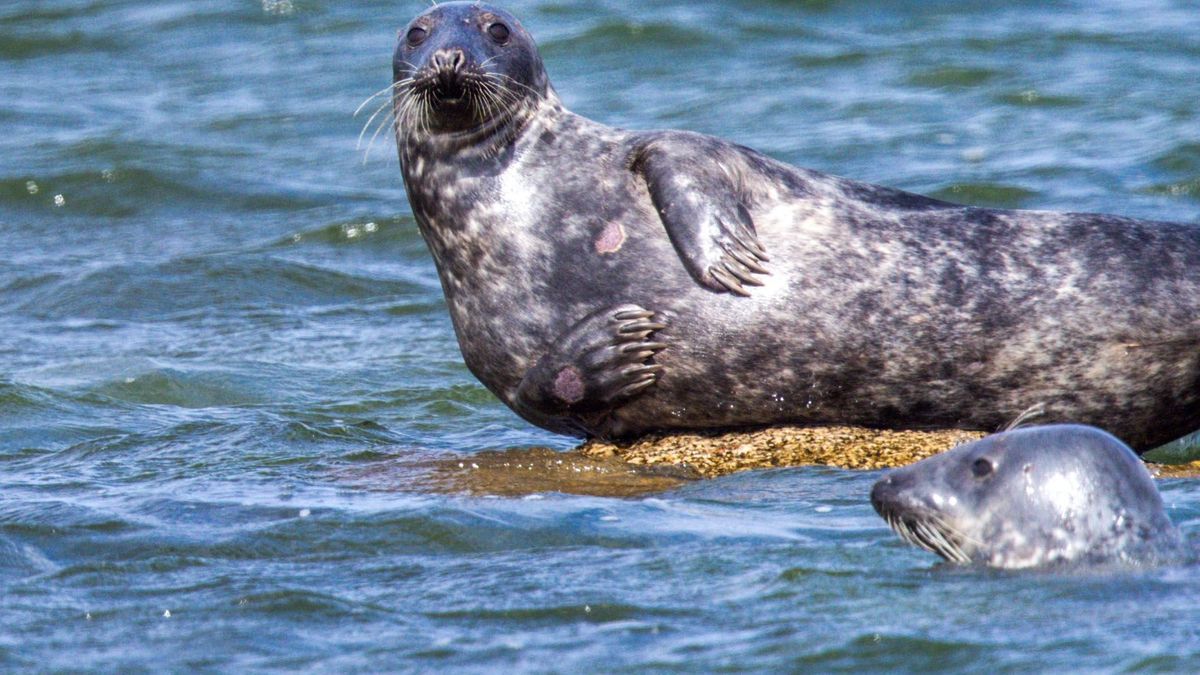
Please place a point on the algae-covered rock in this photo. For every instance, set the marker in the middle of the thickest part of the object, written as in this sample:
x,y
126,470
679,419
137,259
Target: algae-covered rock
x,y
716,454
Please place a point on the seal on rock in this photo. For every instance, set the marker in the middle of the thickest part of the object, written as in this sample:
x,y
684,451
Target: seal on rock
x,y
1031,497
611,283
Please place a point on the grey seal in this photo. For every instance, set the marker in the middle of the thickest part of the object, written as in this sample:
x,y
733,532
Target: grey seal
x,y
612,283
1031,497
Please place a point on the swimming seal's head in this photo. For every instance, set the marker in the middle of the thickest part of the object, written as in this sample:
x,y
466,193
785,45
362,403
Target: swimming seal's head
x,y
462,65
1030,497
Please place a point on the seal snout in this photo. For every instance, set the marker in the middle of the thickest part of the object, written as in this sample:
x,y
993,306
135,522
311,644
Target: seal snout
x,y
887,492
465,66
448,60
448,66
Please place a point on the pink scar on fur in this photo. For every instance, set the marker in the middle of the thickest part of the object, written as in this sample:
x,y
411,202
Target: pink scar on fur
x,y
568,385
610,239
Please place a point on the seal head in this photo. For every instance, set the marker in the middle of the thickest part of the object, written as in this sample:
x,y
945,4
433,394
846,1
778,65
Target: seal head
x,y
461,65
1031,497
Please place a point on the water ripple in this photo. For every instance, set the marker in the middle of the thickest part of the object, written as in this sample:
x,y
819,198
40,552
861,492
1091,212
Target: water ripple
x,y
233,410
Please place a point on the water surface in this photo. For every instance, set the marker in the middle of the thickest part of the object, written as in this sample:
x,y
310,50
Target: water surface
x,y
226,368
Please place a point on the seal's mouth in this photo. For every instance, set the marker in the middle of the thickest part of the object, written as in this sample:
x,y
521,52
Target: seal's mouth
x,y
452,92
459,98
449,88
928,531
919,526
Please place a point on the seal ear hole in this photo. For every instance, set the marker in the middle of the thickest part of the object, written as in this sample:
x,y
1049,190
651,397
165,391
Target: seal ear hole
x,y
982,467
499,32
416,35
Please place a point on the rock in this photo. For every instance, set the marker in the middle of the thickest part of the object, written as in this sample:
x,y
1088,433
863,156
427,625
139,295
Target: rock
x,y
717,454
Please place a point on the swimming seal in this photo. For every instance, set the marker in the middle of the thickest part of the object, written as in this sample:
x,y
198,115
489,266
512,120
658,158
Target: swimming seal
x,y
610,282
1031,497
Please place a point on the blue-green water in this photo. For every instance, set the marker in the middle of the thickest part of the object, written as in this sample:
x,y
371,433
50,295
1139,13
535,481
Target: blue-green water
x,y
226,367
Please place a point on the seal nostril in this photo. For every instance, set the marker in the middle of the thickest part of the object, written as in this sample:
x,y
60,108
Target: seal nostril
x,y
448,61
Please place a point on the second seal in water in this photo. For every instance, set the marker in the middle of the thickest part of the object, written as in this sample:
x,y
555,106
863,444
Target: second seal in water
x,y
1031,497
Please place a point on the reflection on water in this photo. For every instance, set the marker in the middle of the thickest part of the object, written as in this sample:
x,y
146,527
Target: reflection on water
x,y
517,472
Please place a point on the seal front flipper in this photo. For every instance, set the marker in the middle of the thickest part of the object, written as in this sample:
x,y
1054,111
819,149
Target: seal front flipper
x,y
598,364
694,184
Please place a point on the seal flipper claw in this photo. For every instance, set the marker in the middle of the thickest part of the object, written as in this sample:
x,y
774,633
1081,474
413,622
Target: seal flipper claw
x,y
644,349
640,328
746,260
640,371
636,388
631,315
698,199
727,281
593,368
741,274
757,249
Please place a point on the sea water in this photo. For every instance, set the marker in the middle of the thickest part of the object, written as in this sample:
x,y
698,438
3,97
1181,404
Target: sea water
x,y
226,367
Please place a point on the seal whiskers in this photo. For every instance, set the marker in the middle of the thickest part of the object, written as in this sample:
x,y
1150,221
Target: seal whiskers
x,y
1035,410
389,102
931,532
390,89
388,120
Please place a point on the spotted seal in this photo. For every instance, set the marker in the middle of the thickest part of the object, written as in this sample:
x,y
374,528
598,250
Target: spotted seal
x,y
1031,497
609,282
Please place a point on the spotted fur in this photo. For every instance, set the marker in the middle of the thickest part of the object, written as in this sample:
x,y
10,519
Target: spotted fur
x,y
781,294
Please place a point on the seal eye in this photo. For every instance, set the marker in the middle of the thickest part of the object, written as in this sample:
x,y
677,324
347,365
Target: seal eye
x,y
417,35
499,32
982,467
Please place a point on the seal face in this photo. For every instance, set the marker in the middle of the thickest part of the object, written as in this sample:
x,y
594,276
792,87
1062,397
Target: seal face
x,y
611,282
1031,497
